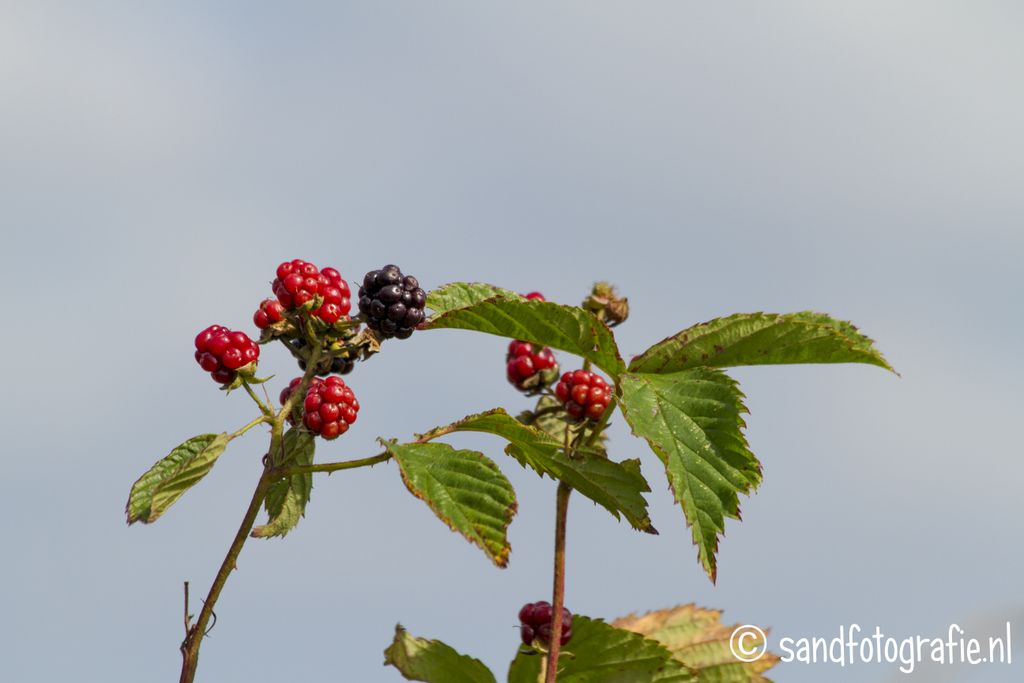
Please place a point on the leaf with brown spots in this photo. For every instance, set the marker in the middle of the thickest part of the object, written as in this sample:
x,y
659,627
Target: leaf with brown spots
x,y
697,638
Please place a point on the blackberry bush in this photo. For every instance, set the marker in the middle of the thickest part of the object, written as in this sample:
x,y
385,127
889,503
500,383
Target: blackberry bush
x,y
676,396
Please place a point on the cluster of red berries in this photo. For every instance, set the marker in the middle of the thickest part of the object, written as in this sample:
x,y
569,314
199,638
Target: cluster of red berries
x,y
329,407
535,623
221,352
584,394
524,362
527,367
298,282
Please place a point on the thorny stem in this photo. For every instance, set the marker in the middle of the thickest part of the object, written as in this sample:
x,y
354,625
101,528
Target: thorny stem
x,y
328,467
194,637
558,592
281,472
196,632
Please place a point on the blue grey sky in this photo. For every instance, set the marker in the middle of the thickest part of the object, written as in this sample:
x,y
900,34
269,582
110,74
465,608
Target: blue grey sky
x,y
158,160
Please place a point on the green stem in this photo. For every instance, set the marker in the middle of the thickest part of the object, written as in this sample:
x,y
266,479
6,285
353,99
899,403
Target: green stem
x,y
558,592
194,635
258,421
281,472
329,467
264,408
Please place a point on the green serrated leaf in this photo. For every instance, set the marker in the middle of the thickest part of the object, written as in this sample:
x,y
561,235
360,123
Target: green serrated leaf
x,y
431,661
456,295
693,422
616,486
761,339
464,488
287,498
568,328
698,638
174,474
601,653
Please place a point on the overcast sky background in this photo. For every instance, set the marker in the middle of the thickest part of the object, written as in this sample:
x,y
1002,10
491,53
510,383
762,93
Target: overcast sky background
x,y
157,162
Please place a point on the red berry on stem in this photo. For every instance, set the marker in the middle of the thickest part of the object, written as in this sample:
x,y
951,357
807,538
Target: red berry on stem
x,y
535,620
220,352
330,407
584,394
529,368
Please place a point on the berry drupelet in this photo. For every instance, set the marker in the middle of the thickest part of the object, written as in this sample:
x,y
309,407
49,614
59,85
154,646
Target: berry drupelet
x,y
270,311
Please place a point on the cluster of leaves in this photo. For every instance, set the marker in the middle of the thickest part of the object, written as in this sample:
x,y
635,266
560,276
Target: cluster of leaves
x,y
674,395
685,644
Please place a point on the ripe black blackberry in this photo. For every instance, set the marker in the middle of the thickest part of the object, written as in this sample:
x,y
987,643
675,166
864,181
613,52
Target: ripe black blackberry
x,y
392,302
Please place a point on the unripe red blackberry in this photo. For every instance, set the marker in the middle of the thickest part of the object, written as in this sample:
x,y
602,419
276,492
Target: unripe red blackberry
x,y
329,408
270,311
222,352
535,295
584,394
393,303
535,623
298,282
530,369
